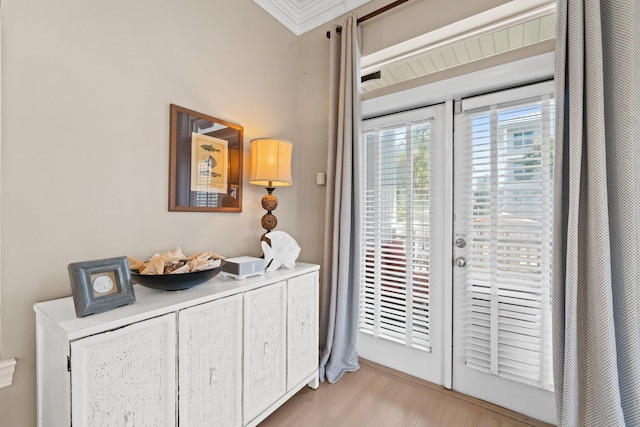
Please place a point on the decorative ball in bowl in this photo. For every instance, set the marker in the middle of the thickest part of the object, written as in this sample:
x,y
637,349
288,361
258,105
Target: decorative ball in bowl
x,y
174,282
174,271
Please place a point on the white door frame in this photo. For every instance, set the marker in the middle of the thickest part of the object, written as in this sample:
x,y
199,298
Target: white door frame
x,y
505,76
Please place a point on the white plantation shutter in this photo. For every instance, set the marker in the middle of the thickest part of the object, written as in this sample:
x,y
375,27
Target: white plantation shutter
x,y
509,215
394,301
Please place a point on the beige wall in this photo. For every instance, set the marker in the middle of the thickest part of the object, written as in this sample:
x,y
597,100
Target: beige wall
x,y
86,88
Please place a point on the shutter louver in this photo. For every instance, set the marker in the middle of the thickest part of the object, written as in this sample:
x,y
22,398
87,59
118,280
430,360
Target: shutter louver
x,y
394,301
508,272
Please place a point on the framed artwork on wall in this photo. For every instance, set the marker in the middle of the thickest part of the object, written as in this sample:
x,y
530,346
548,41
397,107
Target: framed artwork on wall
x,y
205,163
209,163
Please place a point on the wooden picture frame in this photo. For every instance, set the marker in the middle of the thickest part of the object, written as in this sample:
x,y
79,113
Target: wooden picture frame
x,y
100,285
205,163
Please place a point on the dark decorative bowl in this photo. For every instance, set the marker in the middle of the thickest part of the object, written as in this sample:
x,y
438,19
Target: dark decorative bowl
x,y
174,282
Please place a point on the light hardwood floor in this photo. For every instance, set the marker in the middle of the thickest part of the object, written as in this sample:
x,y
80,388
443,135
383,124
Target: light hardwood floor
x,y
378,396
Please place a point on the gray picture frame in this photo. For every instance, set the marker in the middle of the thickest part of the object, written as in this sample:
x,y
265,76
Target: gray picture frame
x,y
100,285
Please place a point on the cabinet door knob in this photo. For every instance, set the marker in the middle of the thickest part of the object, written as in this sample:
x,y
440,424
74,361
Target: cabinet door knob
x,y
129,419
213,375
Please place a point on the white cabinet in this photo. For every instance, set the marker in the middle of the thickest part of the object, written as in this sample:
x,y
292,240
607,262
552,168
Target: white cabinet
x,y
225,353
302,328
128,376
210,369
281,346
265,319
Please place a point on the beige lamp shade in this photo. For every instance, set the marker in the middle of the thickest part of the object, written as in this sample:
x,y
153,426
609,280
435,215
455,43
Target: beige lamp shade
x,y
270,162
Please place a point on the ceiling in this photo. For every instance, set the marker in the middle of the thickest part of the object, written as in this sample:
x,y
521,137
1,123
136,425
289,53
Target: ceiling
x,y
301,16
516,32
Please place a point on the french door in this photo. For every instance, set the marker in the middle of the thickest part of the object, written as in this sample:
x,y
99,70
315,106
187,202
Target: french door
x,y
403,271
456,246
502,249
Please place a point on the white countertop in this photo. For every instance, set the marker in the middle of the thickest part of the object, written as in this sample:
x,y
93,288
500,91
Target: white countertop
x,y
153,303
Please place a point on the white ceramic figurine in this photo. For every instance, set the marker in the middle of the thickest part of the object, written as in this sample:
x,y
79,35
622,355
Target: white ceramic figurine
x,y
284,250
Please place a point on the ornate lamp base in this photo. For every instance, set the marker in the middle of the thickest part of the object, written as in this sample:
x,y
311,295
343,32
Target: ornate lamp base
x,y
269,220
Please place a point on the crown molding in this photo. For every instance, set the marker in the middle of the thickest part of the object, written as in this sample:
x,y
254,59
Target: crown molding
x,y
300,16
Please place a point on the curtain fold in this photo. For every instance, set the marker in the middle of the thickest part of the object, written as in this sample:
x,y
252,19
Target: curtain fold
x,y
596,296
341,270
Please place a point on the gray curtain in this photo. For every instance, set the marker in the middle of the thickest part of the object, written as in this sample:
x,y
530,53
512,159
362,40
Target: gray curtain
x,y
341,271
596,306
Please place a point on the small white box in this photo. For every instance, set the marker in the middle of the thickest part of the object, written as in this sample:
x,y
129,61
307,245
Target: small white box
x,y
242,267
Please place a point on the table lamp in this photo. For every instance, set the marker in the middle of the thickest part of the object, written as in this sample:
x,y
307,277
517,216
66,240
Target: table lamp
x,y
270,167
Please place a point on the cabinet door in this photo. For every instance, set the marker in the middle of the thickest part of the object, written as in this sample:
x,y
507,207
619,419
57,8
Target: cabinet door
x,y
302,328
264,348
210,354
126,377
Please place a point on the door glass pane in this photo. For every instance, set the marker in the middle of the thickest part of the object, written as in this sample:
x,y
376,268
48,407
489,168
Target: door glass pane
x,y
508,275
394,301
